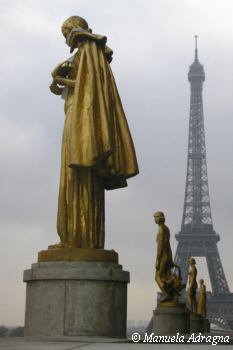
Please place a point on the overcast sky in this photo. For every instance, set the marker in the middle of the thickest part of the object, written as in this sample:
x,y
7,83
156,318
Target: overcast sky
x,y
153,44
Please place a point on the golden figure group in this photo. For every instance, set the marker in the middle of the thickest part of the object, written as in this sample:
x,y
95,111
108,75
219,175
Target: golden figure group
x,y
169,284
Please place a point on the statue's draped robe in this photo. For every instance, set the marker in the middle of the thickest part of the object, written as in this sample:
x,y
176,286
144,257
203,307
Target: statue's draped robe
x,y
202,301
97,148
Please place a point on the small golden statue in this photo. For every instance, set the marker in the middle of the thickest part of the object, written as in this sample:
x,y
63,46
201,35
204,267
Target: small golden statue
x,y
97,149
192,287
169,283
202,299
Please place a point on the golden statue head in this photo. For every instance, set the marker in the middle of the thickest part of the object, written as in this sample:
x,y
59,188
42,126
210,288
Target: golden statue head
x,y
201,281
74,22
192,261
159,217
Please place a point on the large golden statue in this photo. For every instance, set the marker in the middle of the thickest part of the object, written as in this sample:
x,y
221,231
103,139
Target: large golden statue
x,y
202,299
169,283
192,301
97,148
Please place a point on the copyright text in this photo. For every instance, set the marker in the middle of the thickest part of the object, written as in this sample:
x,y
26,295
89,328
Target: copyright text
x,y
151,338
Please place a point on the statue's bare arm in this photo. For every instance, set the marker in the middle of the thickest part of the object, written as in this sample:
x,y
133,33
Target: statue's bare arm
x,y
64,81
159,250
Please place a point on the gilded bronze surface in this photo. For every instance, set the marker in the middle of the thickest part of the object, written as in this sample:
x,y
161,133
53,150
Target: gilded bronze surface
x,y
192,301
97,149
170,284
202,299
78,254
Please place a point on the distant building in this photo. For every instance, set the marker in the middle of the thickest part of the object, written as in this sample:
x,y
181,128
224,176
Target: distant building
x,y
140,323
131,323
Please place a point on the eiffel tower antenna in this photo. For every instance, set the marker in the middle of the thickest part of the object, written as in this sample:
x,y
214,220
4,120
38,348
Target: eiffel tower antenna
x,y
196,52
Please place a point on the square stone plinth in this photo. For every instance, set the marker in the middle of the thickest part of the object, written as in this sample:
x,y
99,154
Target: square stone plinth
x,y
196,324
206,326
171,320
76,298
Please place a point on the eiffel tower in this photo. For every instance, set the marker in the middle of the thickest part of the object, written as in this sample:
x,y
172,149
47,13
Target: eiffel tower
x,y
197,237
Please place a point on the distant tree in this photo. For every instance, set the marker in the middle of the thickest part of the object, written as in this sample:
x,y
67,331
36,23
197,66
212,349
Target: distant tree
x,y
3,331
17,332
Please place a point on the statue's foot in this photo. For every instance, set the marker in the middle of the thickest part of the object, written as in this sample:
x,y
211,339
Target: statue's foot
x,y
192,314
56,246
166,298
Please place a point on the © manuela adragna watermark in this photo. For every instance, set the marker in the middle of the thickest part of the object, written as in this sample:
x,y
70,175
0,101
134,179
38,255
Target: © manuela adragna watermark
x,y
212,339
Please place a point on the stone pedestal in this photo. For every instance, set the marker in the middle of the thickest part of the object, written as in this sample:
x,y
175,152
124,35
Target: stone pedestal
x,y
76,298
206,326
196,324
171,319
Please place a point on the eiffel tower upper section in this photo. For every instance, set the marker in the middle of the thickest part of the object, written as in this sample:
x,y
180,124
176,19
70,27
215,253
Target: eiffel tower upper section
x,y
197,216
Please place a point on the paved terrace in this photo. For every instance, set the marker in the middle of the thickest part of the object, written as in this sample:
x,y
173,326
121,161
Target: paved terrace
x,y
89,343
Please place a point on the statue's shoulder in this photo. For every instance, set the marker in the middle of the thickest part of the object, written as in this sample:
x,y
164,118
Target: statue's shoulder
x,y
81,36
78,37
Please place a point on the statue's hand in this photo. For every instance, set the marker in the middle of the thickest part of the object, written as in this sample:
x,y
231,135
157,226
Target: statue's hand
x,y
61,69
55,89
59,80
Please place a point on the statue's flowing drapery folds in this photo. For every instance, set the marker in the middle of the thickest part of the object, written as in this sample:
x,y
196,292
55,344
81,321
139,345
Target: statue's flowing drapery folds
x,y
97,148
